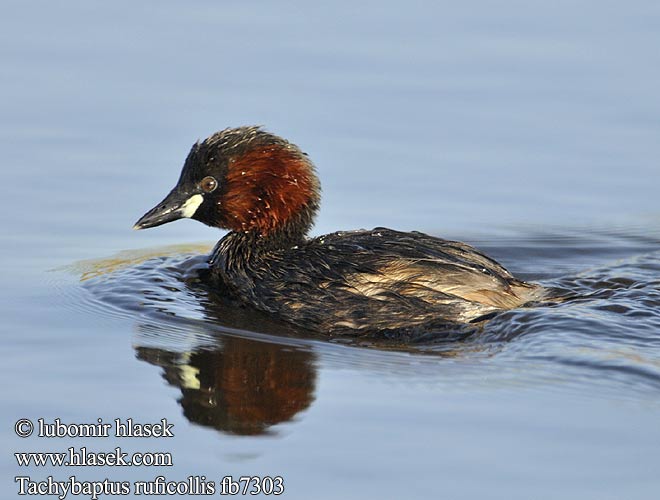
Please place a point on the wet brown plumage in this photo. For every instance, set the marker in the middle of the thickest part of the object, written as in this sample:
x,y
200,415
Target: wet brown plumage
x,y
264,187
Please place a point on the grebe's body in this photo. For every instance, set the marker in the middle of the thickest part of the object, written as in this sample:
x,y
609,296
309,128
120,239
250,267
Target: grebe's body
x,y
264,190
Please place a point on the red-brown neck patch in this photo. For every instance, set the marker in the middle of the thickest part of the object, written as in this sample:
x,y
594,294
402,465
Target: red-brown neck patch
x,y
266,187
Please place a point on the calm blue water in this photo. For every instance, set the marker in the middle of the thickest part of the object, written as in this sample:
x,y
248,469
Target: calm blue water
x,y
529,129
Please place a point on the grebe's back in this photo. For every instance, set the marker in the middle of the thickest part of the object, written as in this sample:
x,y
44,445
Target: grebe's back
x,y
368,281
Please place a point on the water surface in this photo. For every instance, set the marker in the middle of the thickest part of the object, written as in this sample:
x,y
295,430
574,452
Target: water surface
x,y
528,129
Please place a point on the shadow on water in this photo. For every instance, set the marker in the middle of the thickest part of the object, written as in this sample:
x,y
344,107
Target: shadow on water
x,y
241,372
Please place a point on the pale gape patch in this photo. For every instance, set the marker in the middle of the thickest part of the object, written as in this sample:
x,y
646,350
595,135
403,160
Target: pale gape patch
x,y
191,205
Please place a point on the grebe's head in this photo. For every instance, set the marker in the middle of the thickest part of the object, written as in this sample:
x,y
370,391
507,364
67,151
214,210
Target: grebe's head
x,y
245,180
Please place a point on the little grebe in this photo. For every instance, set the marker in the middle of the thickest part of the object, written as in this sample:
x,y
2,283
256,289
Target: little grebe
x,y
264,190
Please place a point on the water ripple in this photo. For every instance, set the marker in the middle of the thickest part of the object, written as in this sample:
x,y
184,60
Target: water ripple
x,y
607,335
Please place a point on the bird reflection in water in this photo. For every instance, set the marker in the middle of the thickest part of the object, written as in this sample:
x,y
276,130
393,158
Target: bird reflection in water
x,y
238,385
241,387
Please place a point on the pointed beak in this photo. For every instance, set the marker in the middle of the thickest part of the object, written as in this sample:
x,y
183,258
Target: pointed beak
x,y
176,205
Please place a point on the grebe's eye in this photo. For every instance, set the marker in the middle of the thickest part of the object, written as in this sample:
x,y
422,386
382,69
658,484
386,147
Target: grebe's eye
x,y
208,184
